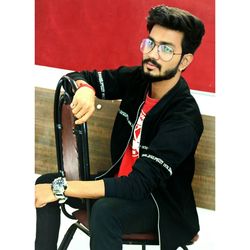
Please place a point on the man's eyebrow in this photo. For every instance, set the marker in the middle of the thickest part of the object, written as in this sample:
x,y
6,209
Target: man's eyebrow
x,y
161,42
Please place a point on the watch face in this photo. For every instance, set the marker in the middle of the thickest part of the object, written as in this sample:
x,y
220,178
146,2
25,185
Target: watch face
x,y
59,185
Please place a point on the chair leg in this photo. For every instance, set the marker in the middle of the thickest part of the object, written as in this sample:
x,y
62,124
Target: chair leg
x,y
67,237
143,247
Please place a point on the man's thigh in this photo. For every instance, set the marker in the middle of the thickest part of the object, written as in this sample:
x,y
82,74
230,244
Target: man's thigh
x,y
133,216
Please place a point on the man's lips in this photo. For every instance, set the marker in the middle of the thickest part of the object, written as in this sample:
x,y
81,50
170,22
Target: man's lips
x,y
151,65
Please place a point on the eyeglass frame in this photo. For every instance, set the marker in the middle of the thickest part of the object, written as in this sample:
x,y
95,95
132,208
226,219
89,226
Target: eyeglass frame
x,y
158,44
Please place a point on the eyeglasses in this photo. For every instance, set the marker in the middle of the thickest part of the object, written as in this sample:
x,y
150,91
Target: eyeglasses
x,y
165,52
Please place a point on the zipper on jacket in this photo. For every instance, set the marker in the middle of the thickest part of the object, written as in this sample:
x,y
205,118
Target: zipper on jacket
x,y
157,207
158,221
131,134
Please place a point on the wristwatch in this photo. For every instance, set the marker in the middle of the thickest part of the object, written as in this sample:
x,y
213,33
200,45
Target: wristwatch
x,y
58,186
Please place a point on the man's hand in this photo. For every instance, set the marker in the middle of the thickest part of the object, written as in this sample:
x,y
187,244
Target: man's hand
x,y
83,104
43,195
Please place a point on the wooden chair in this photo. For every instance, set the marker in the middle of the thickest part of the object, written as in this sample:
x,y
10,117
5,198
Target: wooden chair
x,y
73,156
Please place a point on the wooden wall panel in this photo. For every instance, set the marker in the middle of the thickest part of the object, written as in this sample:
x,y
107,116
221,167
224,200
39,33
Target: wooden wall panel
x,y
204,179
45,153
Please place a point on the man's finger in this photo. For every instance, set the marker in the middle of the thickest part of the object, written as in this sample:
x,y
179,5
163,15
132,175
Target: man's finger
x,y
84,117
73,103
79,114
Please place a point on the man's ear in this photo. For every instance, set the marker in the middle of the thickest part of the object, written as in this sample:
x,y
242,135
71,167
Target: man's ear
x,y
186,60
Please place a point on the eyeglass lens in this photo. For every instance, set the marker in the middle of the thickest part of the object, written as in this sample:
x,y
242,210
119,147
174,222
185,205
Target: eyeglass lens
x,y
165,52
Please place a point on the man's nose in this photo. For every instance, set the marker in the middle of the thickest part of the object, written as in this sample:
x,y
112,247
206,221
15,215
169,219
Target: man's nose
x,y
154,53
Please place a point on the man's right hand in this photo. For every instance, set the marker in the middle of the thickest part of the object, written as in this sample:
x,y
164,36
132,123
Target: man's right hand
x,y
83,104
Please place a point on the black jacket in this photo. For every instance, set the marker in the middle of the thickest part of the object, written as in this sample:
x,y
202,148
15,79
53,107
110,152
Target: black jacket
x,y
170,134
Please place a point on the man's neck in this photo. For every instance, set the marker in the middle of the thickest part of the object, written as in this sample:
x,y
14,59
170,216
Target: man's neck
x,y
159,89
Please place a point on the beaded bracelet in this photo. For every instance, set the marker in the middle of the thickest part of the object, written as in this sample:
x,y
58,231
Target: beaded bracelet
x,y
86,85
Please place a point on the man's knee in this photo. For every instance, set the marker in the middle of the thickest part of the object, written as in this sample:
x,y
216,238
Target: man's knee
x,y
102,213
105,228
101,208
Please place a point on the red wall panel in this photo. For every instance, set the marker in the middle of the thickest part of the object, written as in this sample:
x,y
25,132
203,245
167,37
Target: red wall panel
x,y
97,34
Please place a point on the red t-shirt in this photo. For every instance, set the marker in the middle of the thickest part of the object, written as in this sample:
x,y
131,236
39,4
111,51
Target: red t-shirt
x,y
132,151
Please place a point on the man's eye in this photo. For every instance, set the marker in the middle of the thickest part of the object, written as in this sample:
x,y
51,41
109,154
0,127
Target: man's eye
x,y
150,43
166,49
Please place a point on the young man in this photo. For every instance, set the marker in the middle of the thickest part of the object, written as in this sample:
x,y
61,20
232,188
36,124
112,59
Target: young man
x,y
154,139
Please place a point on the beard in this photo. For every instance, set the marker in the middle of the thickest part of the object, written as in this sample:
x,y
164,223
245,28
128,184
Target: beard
x,y
168,74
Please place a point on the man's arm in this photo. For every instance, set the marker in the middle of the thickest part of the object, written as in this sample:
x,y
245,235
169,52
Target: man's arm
x,y
77,189
85,189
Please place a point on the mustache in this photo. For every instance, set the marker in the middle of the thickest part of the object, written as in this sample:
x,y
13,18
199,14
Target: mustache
x,y
153,61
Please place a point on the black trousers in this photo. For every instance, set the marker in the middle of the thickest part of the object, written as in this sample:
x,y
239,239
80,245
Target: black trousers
x,y
110,218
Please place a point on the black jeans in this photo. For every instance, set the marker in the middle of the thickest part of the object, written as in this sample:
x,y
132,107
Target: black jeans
x,y
110,218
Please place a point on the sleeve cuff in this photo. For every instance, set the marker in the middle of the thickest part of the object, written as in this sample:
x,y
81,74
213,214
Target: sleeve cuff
x,y
110,184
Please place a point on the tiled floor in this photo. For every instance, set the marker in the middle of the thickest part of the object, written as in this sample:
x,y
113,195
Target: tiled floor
x,y
205,242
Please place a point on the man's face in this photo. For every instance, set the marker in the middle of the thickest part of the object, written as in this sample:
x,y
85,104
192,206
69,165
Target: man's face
x,y
153,65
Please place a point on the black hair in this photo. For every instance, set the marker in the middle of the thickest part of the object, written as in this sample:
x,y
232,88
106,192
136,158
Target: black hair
x,y
179,20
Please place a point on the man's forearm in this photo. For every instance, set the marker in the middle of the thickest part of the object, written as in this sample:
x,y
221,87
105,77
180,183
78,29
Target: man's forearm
x,y
85,189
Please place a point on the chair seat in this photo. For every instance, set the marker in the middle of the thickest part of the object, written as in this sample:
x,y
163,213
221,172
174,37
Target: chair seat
x,y
82,217
152,238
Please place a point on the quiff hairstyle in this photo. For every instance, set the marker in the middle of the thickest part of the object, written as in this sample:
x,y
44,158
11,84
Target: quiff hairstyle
x,y
179,20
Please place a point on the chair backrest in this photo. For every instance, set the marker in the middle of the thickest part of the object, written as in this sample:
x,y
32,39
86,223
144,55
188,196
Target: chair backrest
x,y
71,140
69,145
99,133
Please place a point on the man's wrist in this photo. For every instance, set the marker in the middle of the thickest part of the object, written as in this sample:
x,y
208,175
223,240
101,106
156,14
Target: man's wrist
x,y
84,84
58,187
